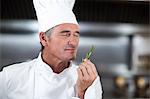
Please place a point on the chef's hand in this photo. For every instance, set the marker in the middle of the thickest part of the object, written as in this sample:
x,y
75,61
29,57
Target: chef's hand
x,y
86,75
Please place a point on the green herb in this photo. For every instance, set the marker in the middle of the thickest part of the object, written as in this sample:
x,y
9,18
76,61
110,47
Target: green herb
x,y
89,53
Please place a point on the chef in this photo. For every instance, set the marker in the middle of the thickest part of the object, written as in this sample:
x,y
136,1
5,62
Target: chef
x,y
52,75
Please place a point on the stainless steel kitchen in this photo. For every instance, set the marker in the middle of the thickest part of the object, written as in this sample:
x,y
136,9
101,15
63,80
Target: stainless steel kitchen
x,y
119,30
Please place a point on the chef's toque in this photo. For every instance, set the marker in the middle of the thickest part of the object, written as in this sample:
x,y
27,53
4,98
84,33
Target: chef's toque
x,y
51,13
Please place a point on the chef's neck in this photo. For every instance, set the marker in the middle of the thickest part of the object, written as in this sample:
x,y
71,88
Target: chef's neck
x,y
55,64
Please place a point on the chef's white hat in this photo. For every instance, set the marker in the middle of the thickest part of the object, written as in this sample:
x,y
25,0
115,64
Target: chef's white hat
x,y
54,12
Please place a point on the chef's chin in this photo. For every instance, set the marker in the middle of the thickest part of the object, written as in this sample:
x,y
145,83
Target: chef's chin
x,y
72,58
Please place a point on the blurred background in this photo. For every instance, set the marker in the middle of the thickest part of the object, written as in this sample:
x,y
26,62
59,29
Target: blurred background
x,y
119,30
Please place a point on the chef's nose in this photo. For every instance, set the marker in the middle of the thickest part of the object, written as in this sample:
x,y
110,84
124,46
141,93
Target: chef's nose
x,y
73,40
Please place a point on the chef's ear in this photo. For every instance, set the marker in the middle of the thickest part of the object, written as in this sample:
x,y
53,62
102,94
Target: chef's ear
x,y
43,38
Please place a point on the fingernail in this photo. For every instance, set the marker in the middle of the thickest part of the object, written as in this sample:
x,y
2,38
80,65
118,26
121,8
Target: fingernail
x,y
85,60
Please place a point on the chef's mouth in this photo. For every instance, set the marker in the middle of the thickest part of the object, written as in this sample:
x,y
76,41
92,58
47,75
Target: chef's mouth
x,y
70,49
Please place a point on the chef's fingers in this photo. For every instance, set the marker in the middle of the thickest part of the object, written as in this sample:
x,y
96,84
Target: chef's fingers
x,y
84,71
92,67
80,75
88,68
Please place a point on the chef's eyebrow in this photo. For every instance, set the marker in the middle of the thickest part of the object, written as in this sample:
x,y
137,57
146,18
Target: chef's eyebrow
x,y
64,31
77,32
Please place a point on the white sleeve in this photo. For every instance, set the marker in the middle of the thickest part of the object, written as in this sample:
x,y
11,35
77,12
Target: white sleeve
x,y
94,91
2,85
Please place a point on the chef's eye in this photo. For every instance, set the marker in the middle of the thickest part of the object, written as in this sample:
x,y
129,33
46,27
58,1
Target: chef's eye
x,y
77,34
67,34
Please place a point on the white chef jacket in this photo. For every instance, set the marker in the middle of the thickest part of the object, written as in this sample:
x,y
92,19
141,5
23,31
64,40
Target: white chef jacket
x,y
36,80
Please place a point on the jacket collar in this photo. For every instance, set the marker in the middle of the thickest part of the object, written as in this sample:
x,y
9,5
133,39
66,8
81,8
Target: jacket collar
x,y
42,67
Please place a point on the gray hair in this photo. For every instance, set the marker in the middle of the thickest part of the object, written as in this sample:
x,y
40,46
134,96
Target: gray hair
x,y
48,34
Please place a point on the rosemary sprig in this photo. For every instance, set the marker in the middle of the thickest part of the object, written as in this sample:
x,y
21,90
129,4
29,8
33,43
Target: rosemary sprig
x,y
89,53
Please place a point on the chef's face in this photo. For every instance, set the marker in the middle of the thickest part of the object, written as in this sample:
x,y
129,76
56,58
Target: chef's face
x,y
63,42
